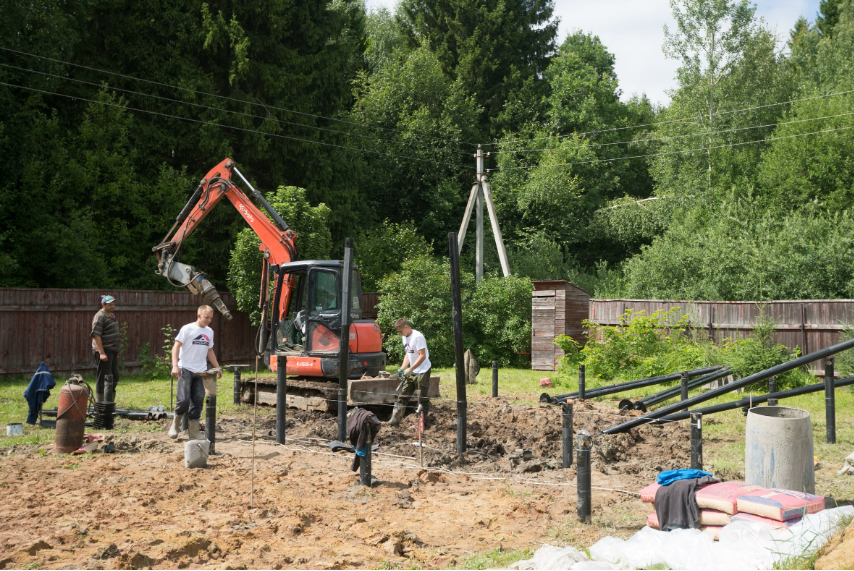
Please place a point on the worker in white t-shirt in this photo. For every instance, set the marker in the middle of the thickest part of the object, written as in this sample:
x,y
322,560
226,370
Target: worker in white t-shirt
x,y
415,370
193,348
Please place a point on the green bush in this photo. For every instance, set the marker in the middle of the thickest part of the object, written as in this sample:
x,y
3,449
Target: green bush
x,y
646,346
496,312
760,352
314,242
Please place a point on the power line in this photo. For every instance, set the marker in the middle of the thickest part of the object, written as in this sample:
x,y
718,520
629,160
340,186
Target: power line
x,y
199,104
687,120
232,127
245,102
702,149
667,138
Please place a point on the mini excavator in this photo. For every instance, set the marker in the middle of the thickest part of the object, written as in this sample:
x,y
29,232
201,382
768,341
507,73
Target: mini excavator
x,y
300,300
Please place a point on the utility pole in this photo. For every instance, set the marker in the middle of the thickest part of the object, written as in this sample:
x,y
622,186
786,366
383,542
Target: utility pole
x,y
481,193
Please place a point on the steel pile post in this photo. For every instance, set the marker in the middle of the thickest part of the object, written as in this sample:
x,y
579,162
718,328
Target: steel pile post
x,y
585,443
458,343
236,385
281,398
581,382
772,388
210,421
494,379
566,417
684,382
344,343
696,440
746,381
365,461
830,400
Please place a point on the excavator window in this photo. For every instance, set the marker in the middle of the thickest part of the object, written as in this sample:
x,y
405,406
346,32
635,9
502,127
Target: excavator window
x,y
323,292
291,331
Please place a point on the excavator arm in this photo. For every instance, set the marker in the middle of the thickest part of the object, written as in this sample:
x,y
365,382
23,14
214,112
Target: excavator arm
x,y
278,242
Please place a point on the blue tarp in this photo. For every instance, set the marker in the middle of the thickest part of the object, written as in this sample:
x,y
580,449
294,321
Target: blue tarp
x,y
38,391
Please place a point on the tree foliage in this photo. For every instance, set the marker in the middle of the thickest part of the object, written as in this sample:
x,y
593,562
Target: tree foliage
x,y
314,241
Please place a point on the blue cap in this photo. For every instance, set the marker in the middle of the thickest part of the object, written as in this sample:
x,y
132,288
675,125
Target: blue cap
x,y
107,299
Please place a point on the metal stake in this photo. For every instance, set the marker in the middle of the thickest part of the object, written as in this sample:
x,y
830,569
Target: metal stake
x,y
585,443
581,381
344,342
478,268
830,400
365,461
457,304
236,386
281,398
210,421
684,381
494,379
419,422
772,388
566,414
697,440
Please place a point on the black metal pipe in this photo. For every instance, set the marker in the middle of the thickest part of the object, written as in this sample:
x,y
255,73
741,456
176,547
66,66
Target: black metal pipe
x,y
668,394
281,398
772,388
696,440
627,386
210,421
746,381
365,461
494,379
236,386
566,427
457,304
344,342
746,402
583,476
582,382
830,400
191,203
683,382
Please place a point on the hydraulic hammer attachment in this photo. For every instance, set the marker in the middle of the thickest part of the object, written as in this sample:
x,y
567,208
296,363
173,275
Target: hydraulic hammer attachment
x,y
194,281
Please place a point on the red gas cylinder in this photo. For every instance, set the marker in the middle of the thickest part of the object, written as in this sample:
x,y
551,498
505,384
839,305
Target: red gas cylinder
x,y
71,417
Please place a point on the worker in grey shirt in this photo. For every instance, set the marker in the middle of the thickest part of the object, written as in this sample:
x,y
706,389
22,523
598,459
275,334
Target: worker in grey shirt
x,y
106,342
415,370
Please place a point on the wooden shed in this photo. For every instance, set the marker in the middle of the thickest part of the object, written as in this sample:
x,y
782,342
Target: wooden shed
x,y
558,308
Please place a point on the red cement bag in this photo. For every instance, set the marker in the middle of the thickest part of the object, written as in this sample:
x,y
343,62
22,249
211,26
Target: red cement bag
x,y
714,517
652,521
772,522
648,494
780,504
723,496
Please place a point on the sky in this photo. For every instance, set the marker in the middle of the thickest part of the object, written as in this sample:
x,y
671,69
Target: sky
x,y
633,31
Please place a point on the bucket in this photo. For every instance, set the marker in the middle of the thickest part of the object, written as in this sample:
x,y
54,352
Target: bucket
x,y
778,449
196,453
14,428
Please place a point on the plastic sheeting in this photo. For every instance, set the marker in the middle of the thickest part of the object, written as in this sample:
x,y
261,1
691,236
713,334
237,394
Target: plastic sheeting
x,y
742,545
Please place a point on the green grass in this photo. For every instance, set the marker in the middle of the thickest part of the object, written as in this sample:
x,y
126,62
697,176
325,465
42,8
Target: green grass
x,y
133,391
495,559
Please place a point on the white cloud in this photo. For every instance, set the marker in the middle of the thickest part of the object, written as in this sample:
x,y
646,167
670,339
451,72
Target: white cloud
x,y
633,31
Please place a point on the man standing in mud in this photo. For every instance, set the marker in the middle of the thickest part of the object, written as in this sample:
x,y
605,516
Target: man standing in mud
x,y
415,370
193,348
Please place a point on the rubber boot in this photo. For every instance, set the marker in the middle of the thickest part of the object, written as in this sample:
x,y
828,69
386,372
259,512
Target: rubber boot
x,y
194,432
176,426
396,415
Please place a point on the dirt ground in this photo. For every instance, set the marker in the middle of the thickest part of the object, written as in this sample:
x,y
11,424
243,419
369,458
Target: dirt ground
x,y
141,508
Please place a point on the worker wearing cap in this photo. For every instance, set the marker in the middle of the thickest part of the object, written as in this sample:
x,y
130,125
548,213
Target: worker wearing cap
x,y
193,348
415,370
106,344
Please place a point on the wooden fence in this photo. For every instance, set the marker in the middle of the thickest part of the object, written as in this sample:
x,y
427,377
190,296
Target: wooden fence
x,y
53,325
808,324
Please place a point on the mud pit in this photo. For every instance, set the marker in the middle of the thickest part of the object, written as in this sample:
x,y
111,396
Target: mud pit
x,y
141,508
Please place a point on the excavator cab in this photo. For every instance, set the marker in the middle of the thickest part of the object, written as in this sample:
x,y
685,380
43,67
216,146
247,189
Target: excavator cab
x,y
312,326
